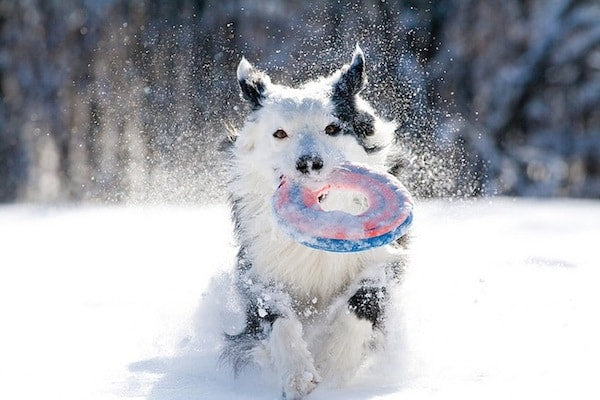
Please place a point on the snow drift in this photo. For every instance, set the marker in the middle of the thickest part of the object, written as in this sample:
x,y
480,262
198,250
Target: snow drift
x,y
129,302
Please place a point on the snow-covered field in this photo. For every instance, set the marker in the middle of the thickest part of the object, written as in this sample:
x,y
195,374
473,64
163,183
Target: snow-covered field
x,y
501,301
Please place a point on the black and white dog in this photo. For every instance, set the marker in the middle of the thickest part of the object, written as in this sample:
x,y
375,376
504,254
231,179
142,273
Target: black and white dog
x,y
311,315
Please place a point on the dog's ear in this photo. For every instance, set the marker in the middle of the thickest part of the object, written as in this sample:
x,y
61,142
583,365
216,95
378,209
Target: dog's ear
x,y
253,83
353,77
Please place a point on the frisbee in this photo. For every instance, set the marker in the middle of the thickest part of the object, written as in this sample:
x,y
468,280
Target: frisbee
x,y
298,211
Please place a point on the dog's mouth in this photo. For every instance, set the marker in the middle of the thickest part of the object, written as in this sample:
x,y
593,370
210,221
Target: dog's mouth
x,y
313,182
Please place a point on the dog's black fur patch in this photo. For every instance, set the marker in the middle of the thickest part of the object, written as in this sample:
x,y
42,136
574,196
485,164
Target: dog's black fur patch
x,y
353,78
368,303
253,89
357,123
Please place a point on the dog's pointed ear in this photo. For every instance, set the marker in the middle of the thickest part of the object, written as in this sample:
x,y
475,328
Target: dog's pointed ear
x,y
253,83
353,77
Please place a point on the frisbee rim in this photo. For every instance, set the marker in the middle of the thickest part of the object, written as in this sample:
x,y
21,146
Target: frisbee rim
x,y
290,200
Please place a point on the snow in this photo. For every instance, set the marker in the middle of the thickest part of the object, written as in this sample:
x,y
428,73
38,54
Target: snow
x,y
500,301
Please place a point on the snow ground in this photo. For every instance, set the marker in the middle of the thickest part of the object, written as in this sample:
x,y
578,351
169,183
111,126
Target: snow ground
x,y
501,301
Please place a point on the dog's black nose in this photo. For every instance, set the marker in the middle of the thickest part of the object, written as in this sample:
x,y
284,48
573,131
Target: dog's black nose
x,y
306,163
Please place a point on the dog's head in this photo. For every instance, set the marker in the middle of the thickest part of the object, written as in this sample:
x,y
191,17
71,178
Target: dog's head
x,y
303,132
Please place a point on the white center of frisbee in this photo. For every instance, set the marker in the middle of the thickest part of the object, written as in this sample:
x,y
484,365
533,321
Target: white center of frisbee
x,y
348,201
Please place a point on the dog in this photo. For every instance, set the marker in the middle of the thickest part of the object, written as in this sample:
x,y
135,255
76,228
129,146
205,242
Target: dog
x,y
311,315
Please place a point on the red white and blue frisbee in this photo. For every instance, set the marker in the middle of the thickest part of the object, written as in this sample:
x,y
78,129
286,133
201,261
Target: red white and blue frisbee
x,y
387,218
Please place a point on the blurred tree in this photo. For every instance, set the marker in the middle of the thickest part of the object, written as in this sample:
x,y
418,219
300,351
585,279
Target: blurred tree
x,y
116,100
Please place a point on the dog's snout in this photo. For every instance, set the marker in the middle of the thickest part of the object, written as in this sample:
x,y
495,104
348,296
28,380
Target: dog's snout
x,y
308,163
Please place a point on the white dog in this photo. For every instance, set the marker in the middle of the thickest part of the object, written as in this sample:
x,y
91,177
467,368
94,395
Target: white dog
x,y
311,315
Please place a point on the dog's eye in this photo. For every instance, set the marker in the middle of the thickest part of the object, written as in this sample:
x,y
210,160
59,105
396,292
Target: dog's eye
x,y
332,129
280,134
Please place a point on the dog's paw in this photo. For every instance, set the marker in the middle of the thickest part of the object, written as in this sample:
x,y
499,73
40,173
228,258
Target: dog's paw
x,y
298,384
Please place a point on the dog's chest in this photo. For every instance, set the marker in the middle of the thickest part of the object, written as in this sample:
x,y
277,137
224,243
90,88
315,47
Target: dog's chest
x,y
307,273
311,276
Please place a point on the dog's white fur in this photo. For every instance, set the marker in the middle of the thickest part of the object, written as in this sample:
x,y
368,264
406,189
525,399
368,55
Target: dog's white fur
x,y
315,336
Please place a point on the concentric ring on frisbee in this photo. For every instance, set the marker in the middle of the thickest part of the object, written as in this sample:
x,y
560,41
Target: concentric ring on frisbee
x,y
299,213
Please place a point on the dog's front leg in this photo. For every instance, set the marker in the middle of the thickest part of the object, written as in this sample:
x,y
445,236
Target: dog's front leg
x,y
289,355
354,325
281,345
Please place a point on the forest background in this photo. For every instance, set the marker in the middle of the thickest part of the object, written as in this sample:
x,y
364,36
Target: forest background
x,y
107,100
